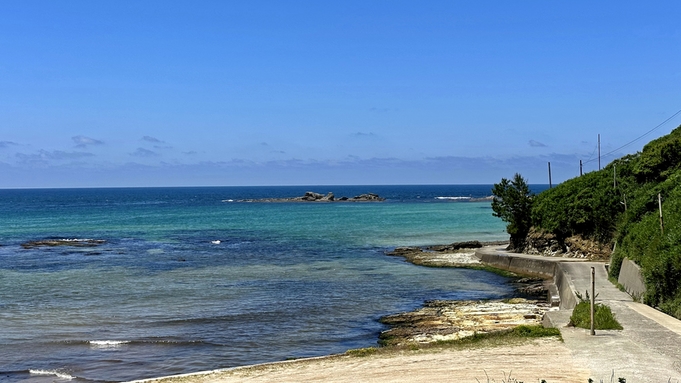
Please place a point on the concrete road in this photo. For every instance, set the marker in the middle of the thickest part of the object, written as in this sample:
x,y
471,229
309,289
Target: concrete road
x,y
648,349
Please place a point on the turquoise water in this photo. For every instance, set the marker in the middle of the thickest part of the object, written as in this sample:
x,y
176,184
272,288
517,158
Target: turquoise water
x,y
163,297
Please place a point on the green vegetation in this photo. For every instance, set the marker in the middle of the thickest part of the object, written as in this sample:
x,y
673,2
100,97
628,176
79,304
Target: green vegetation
x,y
500,337
619,205
362,352
517,335
604,319
513,203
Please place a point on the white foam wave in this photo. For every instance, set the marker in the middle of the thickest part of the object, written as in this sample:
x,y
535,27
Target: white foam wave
x,y
453,198
58,374
107,343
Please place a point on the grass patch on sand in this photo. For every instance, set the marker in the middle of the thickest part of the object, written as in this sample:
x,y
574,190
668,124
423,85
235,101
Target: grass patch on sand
x,y
504,337
361,352
515,335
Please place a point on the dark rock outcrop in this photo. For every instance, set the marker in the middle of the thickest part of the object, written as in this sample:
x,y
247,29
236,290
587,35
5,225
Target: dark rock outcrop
x,y
539,242
367,197
411,251
456,246
458,254
312,196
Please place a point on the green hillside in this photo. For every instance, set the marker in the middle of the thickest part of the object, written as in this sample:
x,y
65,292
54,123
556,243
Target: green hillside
x,y
618,206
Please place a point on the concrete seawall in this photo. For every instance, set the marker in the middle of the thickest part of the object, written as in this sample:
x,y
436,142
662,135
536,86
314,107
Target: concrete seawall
x,y
561,292
517,264
561,280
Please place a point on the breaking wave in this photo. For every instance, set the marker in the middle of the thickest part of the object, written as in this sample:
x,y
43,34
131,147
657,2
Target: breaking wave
x,y
57,373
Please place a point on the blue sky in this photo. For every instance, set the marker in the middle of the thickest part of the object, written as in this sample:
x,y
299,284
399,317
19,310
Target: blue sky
x,y
179,93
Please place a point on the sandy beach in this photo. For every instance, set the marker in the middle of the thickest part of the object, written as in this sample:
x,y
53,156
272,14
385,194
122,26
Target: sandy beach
x,y
532,361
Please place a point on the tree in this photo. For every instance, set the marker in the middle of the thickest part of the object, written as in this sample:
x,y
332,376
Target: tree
x,y
512,203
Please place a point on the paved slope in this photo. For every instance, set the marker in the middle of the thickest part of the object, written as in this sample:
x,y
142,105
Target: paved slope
x,y
647,350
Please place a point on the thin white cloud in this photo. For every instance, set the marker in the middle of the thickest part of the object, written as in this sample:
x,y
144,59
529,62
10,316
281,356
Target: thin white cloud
x,y
7,144
141,152
537,144
45,157
152,140
61,155
363,134
83,141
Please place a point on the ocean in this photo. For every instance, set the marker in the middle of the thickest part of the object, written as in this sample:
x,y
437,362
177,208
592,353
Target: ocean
x,y
191,279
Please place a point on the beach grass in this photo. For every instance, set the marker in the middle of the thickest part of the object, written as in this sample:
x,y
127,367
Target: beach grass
x,y
517,335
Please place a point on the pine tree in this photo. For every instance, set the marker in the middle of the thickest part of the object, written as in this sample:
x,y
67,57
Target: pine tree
x,y
512,203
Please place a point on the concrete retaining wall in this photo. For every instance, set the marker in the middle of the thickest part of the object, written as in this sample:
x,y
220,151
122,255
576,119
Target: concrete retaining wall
x,y
545,268
568,298
535,267
631,278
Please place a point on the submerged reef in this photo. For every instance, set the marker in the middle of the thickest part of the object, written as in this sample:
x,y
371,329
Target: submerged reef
x,y
75,242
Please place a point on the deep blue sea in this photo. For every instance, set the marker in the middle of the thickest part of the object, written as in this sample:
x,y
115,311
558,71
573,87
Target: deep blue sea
x,y
162,296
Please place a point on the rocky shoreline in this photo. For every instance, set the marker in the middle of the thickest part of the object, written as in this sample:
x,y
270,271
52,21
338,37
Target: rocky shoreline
x,y
457,254
443,320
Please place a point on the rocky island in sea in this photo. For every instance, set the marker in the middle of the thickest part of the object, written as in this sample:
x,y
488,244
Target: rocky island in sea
x,y
317,197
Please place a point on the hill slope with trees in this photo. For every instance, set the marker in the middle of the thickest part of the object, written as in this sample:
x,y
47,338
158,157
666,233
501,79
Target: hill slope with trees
x,y
617,207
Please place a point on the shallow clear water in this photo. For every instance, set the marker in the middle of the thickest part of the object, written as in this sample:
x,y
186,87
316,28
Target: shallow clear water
x,y
159,297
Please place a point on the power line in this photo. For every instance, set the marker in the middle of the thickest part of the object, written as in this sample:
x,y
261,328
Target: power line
x,y
639,137
592,154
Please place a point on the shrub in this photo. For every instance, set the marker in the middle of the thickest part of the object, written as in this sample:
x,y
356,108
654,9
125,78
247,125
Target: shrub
x,y
604,319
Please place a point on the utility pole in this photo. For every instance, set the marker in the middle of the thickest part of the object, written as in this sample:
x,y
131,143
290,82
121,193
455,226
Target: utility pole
x,y
580,168
550,183
659,203
593,299
625,202
599,151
